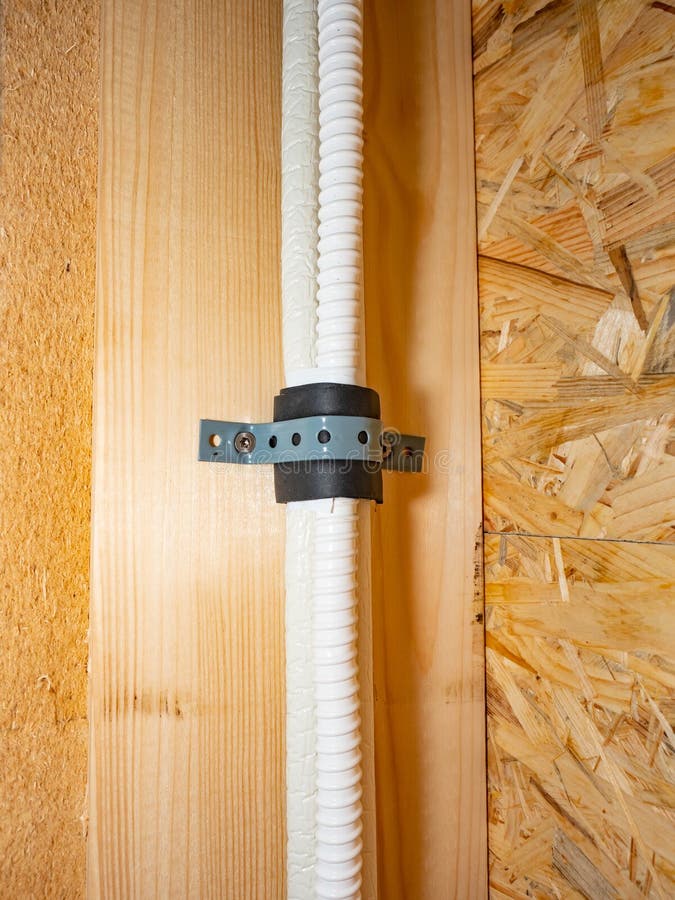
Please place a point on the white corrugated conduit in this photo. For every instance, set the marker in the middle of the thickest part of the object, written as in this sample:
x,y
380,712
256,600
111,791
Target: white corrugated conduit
x,y
340,185
299,224
338,754
322,198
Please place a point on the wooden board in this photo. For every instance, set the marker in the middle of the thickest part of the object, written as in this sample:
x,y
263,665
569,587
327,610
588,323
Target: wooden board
x,y
186,696
575,170
48,116
422,351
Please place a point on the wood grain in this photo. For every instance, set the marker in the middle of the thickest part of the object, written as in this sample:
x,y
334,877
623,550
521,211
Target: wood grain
x,y
186,697
422,353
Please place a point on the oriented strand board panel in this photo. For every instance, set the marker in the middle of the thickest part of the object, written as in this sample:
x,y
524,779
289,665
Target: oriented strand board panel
x,y
581,675
48,135
576,176
577,268
422,350
186,696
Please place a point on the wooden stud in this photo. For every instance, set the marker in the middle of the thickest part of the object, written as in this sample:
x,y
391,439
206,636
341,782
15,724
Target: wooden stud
x,y
422,351
186,693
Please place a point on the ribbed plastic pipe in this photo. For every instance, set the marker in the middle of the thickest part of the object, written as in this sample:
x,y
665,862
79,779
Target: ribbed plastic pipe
x,y
322,343
299,254
340,184
338,755
334,573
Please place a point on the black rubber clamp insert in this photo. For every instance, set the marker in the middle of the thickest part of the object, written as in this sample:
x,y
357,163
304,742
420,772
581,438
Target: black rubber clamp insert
x,y
319,479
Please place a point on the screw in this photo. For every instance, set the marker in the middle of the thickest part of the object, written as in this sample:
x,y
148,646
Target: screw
x,y
387,440
244,442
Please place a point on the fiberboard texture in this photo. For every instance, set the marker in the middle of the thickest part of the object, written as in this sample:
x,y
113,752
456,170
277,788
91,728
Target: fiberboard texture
x,y
575,124
48,132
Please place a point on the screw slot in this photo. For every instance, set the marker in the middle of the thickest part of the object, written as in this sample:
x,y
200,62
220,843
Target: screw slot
x,y
273,441
323,436
295,440
244,442
215,440
363,437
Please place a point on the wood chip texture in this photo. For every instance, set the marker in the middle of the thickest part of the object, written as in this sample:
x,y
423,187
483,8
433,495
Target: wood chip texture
x,y
575,157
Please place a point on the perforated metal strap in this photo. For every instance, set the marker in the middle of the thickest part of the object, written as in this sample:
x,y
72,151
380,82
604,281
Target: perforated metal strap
x,y
338,438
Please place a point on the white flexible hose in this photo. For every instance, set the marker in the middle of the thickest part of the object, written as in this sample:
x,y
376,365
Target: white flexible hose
x,y
338,755
299,187
299,224
334,576
340,184
325,863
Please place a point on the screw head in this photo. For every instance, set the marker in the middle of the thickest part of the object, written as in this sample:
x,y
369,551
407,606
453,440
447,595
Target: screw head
x,y
387,441
244,442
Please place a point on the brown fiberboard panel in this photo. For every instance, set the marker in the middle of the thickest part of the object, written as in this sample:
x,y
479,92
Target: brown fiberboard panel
x,y
48,154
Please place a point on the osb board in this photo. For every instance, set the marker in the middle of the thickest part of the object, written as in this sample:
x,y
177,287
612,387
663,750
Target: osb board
x,y
48,136
576,198
576,192
581,674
